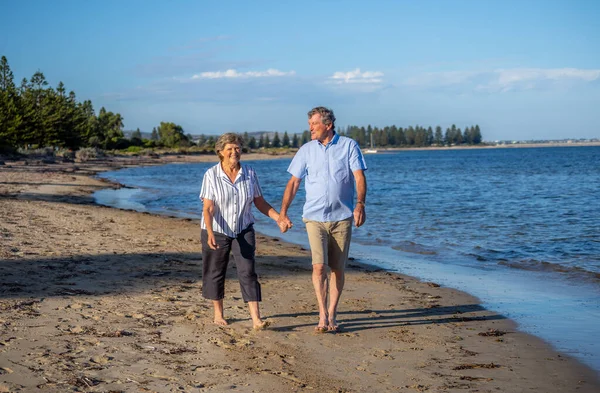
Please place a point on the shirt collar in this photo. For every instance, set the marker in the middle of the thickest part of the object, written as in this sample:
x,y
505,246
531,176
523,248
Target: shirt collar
x,y
332,141
241,174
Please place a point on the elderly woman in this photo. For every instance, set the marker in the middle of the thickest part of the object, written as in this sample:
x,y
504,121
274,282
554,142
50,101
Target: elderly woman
x,y
228,191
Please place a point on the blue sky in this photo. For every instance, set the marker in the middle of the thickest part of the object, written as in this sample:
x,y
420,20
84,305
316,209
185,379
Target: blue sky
x,y
520,69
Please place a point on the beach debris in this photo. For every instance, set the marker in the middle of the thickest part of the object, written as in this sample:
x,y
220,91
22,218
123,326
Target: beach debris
x,y
178,351
469,366
467,378
81,330
84,382
466,352
102,359
117,333
419,387
6,343
492,333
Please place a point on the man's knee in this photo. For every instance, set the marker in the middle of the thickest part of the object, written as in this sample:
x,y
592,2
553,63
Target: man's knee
x,y
319,268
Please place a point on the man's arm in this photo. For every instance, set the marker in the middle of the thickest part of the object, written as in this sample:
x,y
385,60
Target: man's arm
x,y
361,194
288,196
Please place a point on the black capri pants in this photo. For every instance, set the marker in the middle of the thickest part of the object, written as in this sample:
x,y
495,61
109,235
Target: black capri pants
x,y
214,265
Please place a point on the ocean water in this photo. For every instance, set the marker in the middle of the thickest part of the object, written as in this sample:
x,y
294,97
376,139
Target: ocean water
x,y
518,228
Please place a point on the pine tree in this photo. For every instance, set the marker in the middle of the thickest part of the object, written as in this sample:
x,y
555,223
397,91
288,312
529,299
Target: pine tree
x,y
10,118
476,135
276,141
286,140
305,137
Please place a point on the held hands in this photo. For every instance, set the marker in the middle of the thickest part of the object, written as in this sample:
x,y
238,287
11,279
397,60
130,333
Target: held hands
x,y
284,223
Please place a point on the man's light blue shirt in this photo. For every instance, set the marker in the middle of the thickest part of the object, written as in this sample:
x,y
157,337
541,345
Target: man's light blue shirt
x,y
329,181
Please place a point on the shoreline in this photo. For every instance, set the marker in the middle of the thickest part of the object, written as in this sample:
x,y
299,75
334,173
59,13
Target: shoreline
x,y
113,286
484,147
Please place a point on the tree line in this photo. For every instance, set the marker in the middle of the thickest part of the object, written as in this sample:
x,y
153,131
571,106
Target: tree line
x,y
390,136
34,115
417,136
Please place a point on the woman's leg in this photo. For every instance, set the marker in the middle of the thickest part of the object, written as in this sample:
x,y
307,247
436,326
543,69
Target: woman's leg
x,y
219,317
243,248
257,322
214,269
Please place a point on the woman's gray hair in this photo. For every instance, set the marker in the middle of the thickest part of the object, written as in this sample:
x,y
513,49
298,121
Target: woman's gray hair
x,y
226,138
327,116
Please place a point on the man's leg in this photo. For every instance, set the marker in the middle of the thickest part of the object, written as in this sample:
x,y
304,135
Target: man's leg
x,y
319,279
336,286
317,238
339,245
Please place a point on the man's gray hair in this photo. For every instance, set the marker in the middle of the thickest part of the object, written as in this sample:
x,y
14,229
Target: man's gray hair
x,y
226,138
327,116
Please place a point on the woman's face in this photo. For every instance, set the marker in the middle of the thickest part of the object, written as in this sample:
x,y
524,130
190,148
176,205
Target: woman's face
x,y
231,153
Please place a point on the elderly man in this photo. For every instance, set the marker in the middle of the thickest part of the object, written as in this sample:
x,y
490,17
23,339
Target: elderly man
x,y
332,165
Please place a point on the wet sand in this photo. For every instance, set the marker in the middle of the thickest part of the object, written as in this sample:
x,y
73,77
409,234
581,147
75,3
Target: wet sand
x,y
95,299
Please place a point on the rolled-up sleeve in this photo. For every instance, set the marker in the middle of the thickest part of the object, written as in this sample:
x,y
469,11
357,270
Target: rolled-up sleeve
x,y
297,167
357,160
256,192
207,190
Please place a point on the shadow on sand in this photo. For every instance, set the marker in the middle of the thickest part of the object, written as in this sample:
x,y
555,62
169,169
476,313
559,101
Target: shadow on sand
x,y
107,274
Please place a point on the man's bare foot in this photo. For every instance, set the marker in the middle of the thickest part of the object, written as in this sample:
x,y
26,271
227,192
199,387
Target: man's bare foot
x,y
333,326
262,325
221,321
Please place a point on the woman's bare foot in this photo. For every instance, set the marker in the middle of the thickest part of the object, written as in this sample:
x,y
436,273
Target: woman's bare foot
x,y
219,317
257,322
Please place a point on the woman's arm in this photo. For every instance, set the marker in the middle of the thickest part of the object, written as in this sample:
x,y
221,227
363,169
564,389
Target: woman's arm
x,y
265,208
208,212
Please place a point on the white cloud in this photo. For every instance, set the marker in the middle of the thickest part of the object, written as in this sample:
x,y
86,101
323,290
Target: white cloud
x,y
529,78
231,73
368,77
503,80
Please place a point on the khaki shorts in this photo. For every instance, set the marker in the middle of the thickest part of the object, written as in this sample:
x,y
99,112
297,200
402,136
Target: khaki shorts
x,y
329,242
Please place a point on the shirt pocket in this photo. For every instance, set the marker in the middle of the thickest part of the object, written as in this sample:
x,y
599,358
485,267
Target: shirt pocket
x,y
315,174
340,170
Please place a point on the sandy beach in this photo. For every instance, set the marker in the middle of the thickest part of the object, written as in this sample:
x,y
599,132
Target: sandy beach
x,y
95,299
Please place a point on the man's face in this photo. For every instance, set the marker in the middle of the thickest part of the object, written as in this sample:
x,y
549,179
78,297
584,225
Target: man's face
x,y
318,130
